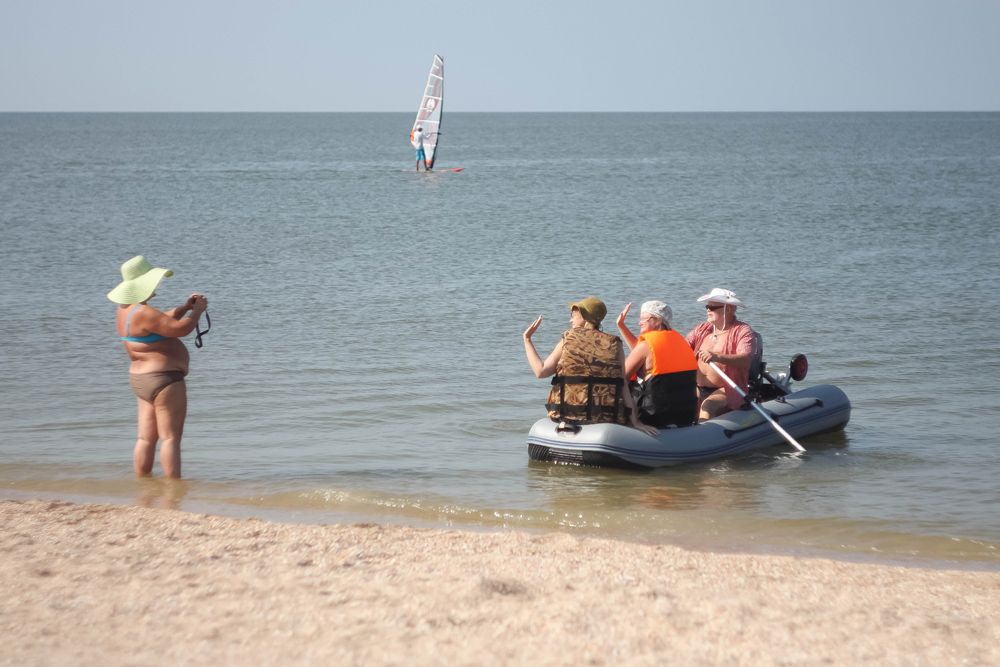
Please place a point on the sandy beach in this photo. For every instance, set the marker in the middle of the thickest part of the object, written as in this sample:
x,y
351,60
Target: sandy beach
x,y
90,584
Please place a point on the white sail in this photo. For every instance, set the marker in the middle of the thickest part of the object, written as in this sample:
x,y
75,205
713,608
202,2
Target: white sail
x,y
431,106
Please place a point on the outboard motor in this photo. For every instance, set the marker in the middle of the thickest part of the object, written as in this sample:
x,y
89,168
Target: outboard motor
x,y
775,387
797,369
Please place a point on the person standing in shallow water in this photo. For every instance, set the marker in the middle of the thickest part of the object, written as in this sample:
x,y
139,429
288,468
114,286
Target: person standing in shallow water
x,y
160,362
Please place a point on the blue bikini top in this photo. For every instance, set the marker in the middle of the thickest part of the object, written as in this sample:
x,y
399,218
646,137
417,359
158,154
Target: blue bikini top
x,y
151,338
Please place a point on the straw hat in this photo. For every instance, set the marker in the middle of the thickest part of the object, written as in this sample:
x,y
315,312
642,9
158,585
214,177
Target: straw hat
x,y
719,295
140,281
592,309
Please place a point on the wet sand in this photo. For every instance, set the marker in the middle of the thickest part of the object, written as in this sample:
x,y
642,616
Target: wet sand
x,y
88,584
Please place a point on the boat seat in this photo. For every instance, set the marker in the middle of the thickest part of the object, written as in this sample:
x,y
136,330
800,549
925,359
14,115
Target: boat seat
x,y
760,386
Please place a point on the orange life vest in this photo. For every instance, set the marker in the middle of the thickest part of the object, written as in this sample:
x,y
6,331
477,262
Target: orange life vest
x,y
668,395
670,351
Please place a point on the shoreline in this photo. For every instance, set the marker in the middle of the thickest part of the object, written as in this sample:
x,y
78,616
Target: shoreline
x,y
718,544
113,584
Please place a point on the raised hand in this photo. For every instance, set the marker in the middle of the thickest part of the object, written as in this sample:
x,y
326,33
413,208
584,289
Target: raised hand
x,y
621,318
533,328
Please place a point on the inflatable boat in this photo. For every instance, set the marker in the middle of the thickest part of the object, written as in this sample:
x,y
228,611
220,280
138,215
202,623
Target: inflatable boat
x,y
803,413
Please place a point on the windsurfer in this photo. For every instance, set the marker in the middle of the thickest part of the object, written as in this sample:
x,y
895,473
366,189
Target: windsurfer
x,y
417,139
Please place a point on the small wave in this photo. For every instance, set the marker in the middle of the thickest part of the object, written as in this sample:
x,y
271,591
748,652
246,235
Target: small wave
x,y
714,529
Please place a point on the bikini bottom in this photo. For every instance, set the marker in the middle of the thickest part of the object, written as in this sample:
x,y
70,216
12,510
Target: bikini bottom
x,y
705,392
148,386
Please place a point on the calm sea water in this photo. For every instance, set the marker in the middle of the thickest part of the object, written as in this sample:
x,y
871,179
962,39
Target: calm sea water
x,y
366,355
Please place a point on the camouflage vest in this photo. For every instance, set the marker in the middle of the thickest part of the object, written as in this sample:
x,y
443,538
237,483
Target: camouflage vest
x,y
587,386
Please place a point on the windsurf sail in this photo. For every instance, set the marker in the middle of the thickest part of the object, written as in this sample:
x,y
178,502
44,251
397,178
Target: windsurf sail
x,y
429,113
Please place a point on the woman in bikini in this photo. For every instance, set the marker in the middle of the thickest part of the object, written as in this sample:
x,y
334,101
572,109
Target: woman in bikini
x,y
159,362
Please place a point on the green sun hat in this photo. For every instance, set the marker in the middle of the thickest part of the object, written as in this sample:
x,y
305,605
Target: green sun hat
x,y
592,309
140,281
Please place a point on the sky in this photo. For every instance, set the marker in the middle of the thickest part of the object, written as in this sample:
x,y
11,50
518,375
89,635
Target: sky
x,y
621,55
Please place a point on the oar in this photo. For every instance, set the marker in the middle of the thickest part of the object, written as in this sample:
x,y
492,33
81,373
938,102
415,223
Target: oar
x,y
759,409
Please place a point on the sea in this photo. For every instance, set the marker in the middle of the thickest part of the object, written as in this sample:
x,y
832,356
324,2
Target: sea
x,y
365,360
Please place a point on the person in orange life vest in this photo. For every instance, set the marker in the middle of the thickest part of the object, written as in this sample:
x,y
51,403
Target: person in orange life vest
x,y
725,340
584,350
666,392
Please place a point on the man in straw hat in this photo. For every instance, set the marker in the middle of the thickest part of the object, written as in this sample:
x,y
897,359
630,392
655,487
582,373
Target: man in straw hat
x,y
160,362
725,340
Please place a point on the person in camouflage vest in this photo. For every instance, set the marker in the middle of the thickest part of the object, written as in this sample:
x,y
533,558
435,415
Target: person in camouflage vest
x,y
589,369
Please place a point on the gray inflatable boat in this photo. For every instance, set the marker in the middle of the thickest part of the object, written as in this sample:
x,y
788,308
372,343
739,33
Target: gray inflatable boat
x,y
803,413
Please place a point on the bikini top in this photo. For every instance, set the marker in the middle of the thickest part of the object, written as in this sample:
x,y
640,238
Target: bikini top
x,y
150,338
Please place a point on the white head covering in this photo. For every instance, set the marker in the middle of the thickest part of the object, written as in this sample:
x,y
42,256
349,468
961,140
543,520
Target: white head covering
x,y
658,309
719,295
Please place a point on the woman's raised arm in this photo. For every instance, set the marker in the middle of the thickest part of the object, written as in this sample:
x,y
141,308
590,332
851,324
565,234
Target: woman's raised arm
x,y
165,324
542,369
180,311
627,335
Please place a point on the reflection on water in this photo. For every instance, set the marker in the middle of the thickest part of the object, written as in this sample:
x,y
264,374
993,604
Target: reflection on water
x,y
727,484
713,505
161,493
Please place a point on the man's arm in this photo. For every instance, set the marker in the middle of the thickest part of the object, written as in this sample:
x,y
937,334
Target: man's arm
x,y
739,359
732,360
692,338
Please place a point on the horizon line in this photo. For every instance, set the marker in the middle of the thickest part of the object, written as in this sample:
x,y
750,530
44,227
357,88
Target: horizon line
x,y
775,111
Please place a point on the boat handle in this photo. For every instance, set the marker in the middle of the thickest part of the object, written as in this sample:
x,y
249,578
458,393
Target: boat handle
x,y
563,426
